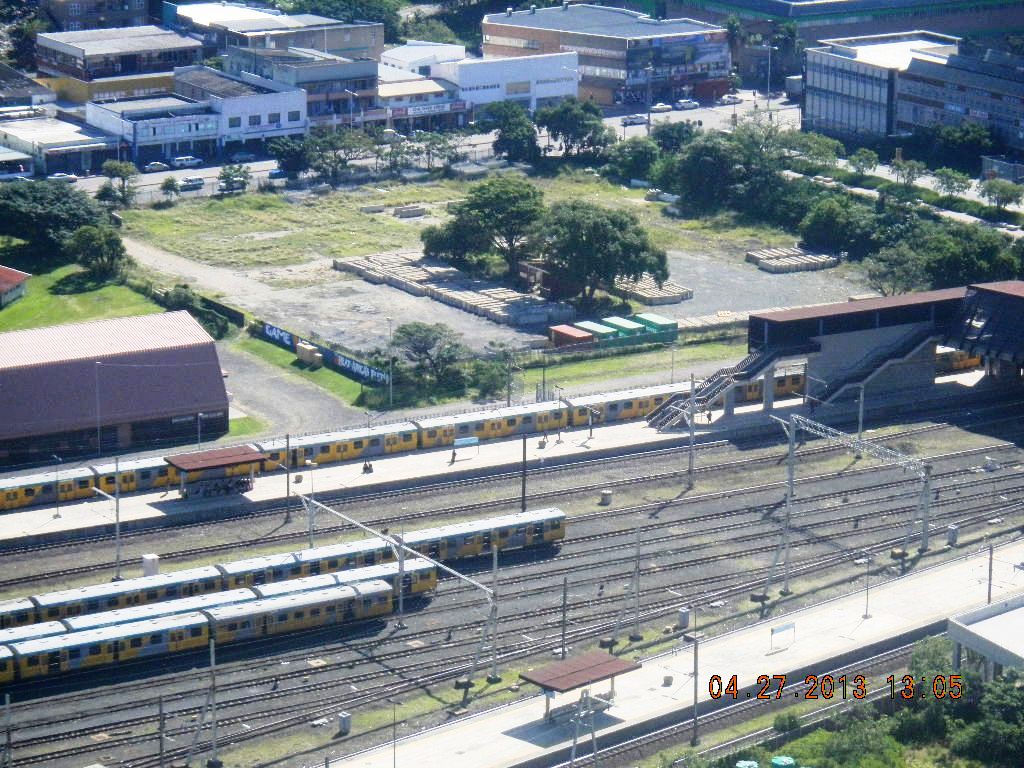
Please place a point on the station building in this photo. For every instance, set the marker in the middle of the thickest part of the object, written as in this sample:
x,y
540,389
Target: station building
x,y
624,56
127,382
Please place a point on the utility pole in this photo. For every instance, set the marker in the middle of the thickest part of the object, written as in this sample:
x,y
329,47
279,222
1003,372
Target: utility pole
x,y
523,494
117,519
162,727
494,677
636,637
694,738
991,555
565,601
8,741
790,470
690,480
400,624
860,419
214,761
287,478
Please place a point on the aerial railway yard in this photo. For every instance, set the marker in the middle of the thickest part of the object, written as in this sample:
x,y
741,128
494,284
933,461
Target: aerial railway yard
x,y
712,547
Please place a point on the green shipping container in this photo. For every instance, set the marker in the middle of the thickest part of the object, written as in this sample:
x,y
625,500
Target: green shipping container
x,y
601,332
655,322
623,326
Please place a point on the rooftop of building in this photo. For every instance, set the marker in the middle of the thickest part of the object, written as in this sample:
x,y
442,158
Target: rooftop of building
x,y
11,278
119,41
802,9
13,85
389,73
422,87
995,631
100,339
416,50
599,20
895,50
210,14
217,83
164,105
283,24
992,72
51,131
8,155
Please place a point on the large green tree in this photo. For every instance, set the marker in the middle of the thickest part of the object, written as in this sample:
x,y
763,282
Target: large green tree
x,y
951,182
586,246
837,225
632,158
896,269
433,348
672,137
329,152
1002,193
517,135
45,215
100,251
577,125
292,155
119,189
863,161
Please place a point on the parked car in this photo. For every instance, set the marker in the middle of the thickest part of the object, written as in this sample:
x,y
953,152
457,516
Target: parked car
x,y
729,98
187,161
634,120
277,173
661,107
192,182
155,166
242,157
70,178
17,178
226,186
685,104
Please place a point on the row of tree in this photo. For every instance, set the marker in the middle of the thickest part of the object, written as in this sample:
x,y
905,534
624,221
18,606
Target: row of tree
x,y
576,126
582,246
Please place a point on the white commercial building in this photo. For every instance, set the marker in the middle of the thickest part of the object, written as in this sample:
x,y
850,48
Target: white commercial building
x,y
420,55
850,83
533,81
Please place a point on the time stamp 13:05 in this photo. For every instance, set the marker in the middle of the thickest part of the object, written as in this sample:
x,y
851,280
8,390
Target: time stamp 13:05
x,y
843,687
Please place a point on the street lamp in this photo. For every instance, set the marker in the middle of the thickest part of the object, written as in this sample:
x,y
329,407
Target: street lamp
x,y
56,473
391,369
768,105
116,498
351,107
312,495
649,69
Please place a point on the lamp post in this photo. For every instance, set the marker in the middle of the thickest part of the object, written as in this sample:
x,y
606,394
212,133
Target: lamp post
x,y
391,368
351,107
56,473
649,69
116,498
312,495
768,104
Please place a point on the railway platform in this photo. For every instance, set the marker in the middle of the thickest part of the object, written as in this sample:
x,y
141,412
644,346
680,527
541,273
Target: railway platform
x,y
814,640
400,470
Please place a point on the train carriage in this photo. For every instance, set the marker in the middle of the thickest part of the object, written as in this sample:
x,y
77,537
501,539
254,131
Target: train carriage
x,y
338,557
622,405
7,665
104,646
30,631
345,445
470,539
41,488
136,475
155,610
489,425
126,593
17,613
299,610
420,577
260,570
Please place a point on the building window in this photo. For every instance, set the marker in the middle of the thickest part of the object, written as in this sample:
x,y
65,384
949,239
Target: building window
x,y
513,89
74,26
74,9
294,116
254,120
234,122
274,118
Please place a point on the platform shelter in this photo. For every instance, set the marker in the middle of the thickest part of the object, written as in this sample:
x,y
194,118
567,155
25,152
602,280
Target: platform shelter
x,y
995,632
219,463
990,324
579,672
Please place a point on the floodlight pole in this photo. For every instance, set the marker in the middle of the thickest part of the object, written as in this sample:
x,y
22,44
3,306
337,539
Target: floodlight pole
x,y
522,503
690,479
8,740
116,498
694,739
565,601
636,636
213,762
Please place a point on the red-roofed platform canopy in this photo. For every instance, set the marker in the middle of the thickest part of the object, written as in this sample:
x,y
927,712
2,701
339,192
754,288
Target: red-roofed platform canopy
x,y
237,456
579,672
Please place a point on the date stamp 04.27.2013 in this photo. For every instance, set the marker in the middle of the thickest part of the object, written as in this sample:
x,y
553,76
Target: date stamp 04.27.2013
x,y
834,687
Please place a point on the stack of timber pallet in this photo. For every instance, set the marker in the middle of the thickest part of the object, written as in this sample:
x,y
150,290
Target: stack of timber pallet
x,y
778,260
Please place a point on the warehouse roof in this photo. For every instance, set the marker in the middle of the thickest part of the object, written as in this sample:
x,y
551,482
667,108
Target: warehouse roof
x,y
11,278
117,42
1008,287
599,20
866,305
216,83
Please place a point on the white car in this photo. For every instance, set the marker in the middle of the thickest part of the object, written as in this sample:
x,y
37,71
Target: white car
x,y
70,178
187,161
661,107
729,98
634,120
686,104
155,167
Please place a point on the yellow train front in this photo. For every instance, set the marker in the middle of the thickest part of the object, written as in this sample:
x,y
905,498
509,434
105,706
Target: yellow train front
x,y
72,483
105,646
299,611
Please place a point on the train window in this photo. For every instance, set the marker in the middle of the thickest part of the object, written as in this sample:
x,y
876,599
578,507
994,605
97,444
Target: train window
x,y
521,529
329,609
527,419
136,642
245,624
367,602
431,433
510,422
30,492
502,533
613,407
53,612
151,594
92,605
463,429
156,639
112,601
332,563
628,404
556,524
109,479
554,414
210,583
282,617
161,472
119,645
32,661
12,495
75,653
406,438
196,631
276,573
21,616
657,400
295,570
145,474
83,483
95,650
300,614
794,379
357,444
479,425
325,449
375,442
314,612
307,451
232,626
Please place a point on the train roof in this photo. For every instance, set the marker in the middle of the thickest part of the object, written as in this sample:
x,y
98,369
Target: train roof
x,y
297,600
130,465
628,394
342,578
371,544
5,653
474,526
156,610
257,563
18,604
305,584
42,478
495,413
96,591
29,631
105,634
302,441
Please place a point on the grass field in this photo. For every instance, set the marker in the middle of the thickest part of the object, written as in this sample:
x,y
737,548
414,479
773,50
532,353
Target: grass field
x,y
61,296
269,230
341,387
